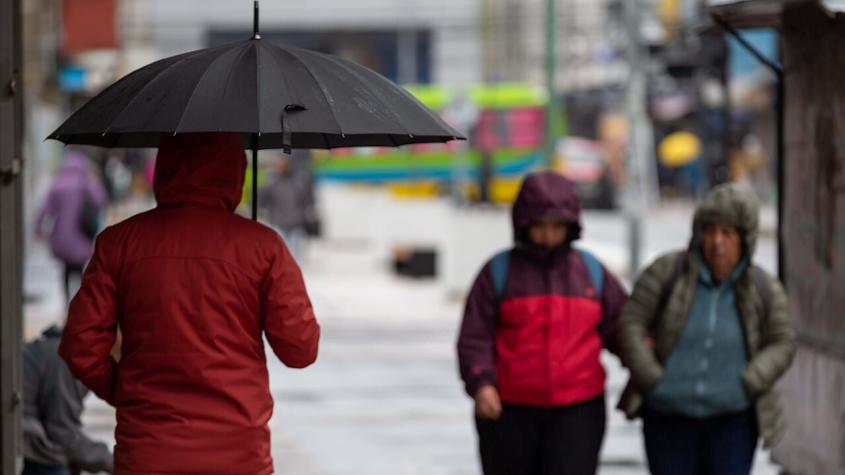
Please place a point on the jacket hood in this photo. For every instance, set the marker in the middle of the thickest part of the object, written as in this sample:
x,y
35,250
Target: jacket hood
x,y
728,204
202,168
546,194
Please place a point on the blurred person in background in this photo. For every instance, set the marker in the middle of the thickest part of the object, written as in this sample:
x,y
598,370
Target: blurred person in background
x,y
69,216
53,440
287,200
706,335
535,323
194,289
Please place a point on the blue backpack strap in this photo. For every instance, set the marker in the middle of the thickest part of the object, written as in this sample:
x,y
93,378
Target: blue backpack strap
x,y
499,269
595,268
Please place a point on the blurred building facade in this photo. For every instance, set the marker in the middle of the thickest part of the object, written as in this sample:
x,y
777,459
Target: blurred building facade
x,y
408,41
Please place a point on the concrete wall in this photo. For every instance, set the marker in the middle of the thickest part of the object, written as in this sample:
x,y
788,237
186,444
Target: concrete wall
x,y
370,217
814,237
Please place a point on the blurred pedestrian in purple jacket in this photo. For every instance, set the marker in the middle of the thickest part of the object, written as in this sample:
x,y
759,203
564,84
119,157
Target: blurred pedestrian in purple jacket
x,y
68,217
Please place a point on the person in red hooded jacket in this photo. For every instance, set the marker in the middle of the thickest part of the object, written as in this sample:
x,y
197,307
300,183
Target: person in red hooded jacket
x,y
535,323
192,287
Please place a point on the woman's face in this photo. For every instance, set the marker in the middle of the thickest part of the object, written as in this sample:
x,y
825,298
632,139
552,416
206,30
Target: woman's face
x,y
722,248
548,232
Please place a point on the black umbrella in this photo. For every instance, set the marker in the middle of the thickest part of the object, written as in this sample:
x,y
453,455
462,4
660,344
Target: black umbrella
x,y
274,96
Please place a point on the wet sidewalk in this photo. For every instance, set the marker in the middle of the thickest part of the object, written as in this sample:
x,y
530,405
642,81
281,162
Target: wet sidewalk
x,y
384,396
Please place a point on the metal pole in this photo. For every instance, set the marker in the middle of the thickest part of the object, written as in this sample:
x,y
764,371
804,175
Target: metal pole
x,y
639,149
551,65
777,70
255,32
256,35
781,176
254,178
11,240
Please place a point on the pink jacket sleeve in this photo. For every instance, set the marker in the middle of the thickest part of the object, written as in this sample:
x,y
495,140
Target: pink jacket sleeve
x,y
288,319
91,326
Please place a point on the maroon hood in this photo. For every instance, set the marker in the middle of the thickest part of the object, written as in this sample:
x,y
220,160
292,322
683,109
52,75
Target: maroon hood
x,y
207,169
546,194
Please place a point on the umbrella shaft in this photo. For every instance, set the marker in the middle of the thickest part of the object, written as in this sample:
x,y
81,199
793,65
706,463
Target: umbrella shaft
x,y
254,180
255,32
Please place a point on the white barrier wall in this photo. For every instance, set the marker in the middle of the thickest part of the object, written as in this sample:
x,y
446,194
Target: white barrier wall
x,y
370,217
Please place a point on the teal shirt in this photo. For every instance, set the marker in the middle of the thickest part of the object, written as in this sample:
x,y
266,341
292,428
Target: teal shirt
x,y
703,375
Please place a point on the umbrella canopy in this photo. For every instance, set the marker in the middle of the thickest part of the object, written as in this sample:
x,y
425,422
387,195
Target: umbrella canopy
x,y
278,96
274,96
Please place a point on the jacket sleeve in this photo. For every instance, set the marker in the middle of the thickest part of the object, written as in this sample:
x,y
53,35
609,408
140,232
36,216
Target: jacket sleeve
x,y
777,345
91,326
477,338
62,405
612,300
638,316
288,319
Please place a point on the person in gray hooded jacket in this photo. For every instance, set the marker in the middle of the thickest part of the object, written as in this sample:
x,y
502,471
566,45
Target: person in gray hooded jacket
x,y
54,443
706,335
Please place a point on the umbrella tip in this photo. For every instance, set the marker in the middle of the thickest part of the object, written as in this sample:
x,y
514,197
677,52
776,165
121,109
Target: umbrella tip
x,y
255,33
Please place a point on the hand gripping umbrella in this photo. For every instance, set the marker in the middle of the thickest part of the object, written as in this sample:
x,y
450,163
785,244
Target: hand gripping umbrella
x,y
274,96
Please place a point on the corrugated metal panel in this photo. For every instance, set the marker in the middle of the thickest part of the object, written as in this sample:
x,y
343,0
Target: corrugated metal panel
x,y
11,210
749,13
815,172
814,239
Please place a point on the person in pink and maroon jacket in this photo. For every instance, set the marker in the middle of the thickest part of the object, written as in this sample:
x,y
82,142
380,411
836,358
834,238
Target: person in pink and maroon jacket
x,y
536,320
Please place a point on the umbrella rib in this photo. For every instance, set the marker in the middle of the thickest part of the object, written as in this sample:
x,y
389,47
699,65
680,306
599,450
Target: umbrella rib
x,y
288,90
372,90
196,87
182,59
105,91
131,101
229,78
118,82
319,83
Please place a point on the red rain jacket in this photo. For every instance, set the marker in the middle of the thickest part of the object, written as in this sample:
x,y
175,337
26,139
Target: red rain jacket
x,y
193,287
539,342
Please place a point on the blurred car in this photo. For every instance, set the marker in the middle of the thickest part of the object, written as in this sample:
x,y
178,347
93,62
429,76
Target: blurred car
x,y
583,161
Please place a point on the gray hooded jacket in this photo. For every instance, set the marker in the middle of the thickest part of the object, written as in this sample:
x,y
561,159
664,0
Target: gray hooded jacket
x,y
768,332
52,408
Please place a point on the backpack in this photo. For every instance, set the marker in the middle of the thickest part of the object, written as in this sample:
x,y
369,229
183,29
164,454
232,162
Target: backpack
x,y
500,264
